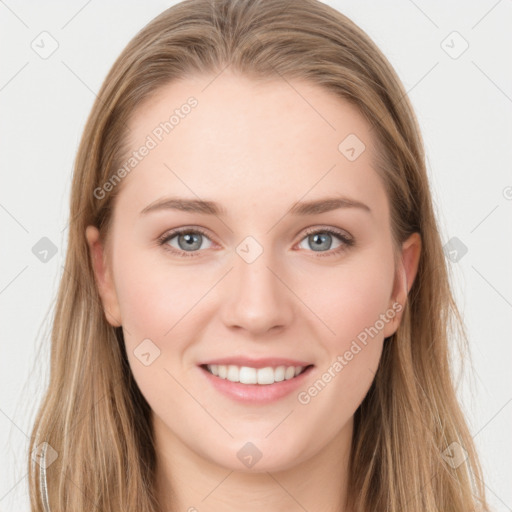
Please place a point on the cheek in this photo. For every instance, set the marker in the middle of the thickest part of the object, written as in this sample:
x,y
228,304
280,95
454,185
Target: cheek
x,y
356,300
156,303
153,298
353,352
352,302
350,297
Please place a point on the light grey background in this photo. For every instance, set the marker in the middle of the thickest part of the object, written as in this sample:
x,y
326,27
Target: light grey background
x,y
464,106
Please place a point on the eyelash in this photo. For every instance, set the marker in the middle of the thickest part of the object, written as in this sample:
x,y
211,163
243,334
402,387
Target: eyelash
x,y
347,242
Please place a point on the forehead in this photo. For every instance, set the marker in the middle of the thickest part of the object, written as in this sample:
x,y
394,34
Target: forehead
x,y
275,140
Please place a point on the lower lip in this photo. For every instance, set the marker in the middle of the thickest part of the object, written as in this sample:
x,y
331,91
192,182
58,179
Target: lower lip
x,y
256,393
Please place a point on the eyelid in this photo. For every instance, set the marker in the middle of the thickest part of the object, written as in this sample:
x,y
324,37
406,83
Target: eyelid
x,y
329,229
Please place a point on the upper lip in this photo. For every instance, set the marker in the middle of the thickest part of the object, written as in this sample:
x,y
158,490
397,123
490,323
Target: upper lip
x,y
255,363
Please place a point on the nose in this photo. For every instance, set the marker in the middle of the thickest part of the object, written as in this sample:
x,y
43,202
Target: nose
x,y
256,298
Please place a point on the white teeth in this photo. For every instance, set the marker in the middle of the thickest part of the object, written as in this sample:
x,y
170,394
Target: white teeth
x,y
233,374
279,373
289,373
266,375
247,375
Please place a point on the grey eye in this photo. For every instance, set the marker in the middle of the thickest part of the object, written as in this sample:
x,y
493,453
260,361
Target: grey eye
x,y
320,241
188,241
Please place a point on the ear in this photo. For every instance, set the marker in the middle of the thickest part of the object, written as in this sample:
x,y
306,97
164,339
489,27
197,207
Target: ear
x,y
103,276
404,279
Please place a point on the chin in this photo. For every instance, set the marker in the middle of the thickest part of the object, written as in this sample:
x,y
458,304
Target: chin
x,y
258,456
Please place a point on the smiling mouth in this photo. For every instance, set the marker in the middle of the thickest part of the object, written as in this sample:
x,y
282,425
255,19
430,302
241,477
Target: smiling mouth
x,y
247,375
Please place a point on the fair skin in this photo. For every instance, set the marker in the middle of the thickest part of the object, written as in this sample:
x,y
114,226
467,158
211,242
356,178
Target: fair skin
x,y
255,149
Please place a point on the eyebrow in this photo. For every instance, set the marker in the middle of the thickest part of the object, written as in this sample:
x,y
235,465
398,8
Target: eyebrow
x,y
314,207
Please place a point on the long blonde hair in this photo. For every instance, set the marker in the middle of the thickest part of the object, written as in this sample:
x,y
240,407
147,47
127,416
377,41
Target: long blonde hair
x,y
93,416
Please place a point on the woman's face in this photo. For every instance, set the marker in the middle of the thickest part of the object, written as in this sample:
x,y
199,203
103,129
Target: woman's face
x,y
267,274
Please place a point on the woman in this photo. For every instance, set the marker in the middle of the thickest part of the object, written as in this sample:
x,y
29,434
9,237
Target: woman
x,y
255,310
